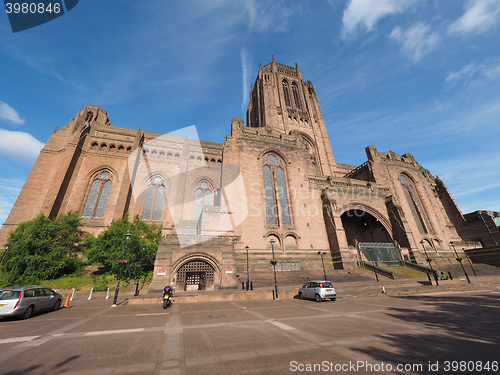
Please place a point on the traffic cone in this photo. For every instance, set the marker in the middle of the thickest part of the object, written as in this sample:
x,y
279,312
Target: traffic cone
x,y
383,290
66,303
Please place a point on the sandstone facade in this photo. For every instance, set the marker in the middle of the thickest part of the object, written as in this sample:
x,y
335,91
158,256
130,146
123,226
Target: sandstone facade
x,y
273,178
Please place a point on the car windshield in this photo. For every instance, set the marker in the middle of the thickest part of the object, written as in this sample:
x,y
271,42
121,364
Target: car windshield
x,y
9,294
326,284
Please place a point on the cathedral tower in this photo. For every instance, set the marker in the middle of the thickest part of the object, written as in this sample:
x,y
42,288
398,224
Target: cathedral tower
x,y
281,100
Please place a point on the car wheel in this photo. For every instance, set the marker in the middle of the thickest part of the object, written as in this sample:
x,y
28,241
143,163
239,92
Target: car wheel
x,y
301,296
28,312
332,299
318,298
57,305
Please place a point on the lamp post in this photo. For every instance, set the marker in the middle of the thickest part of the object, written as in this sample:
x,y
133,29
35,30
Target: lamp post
x,y
273,262
127,237
459,260
373,263
5,252
140,271
429,260
470,263
248,274
322,261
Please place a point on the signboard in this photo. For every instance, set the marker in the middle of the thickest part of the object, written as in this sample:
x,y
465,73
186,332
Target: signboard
x,y
229,270
161,273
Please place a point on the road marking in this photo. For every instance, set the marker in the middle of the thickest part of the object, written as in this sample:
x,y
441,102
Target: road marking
x,y
152,314
98,333
283,326
18,339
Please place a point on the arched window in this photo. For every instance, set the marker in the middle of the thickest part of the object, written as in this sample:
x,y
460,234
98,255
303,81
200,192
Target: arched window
x,y
295,93
153,202
97,199
275,191
203,197
414,203
286,94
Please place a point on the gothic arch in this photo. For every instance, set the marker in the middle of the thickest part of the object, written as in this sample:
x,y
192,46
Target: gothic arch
x,y
96,199
368,209
93,172
197,256
278,210
415,202
270,150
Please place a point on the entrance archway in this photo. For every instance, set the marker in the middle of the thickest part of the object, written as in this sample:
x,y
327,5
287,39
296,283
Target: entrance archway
x,y
364,227
195,275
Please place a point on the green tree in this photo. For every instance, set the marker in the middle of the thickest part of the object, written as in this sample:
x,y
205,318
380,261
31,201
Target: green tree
x,y
43,249
107,249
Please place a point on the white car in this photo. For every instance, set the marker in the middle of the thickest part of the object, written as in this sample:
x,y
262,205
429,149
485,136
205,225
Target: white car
x,y
24,301
318,290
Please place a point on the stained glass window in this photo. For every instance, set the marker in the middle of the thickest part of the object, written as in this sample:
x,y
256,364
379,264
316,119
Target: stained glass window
x,y
281,183
153,201
148,202
275,192
286,94
160,193
269,196
103,201
92,198
99,193
295,93
203,197
414,203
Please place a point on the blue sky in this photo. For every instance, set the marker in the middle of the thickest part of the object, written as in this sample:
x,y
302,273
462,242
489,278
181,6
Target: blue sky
x,y
415,76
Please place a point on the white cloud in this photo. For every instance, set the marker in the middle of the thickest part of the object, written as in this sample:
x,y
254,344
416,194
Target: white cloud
x,y
364,14
10,114
19,145
489,69
417,40
479,16
245,67
268,15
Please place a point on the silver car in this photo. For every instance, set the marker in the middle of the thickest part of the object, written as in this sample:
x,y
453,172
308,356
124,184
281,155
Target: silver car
x,y
318,290
24,301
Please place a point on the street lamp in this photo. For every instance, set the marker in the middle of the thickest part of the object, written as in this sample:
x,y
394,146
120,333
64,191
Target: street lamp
x,y
5,252
140,271
470,263
273,262
248,274
459,260
429,260
373,263
127,236
322,261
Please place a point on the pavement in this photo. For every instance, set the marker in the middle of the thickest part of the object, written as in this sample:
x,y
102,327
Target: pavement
x,y
413,329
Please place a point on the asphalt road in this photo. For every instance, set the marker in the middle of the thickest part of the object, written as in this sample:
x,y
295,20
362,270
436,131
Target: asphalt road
x,y
413,334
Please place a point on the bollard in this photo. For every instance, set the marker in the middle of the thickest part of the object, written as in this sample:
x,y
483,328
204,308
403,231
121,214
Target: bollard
x,y
107,294
91,290
247,286
72,295
273,294
251,285
242,285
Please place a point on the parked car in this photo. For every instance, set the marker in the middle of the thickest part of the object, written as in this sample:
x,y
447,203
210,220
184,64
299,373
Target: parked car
x,y
26,300
318,290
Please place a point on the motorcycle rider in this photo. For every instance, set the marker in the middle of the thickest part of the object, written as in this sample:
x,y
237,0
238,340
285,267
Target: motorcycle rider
x,y
167,292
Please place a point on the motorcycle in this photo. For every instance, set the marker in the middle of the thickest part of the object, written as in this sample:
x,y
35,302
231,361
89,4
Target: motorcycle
x,y
167,298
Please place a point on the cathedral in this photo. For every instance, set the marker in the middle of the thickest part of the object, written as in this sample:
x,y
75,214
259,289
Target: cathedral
x,y
270,197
